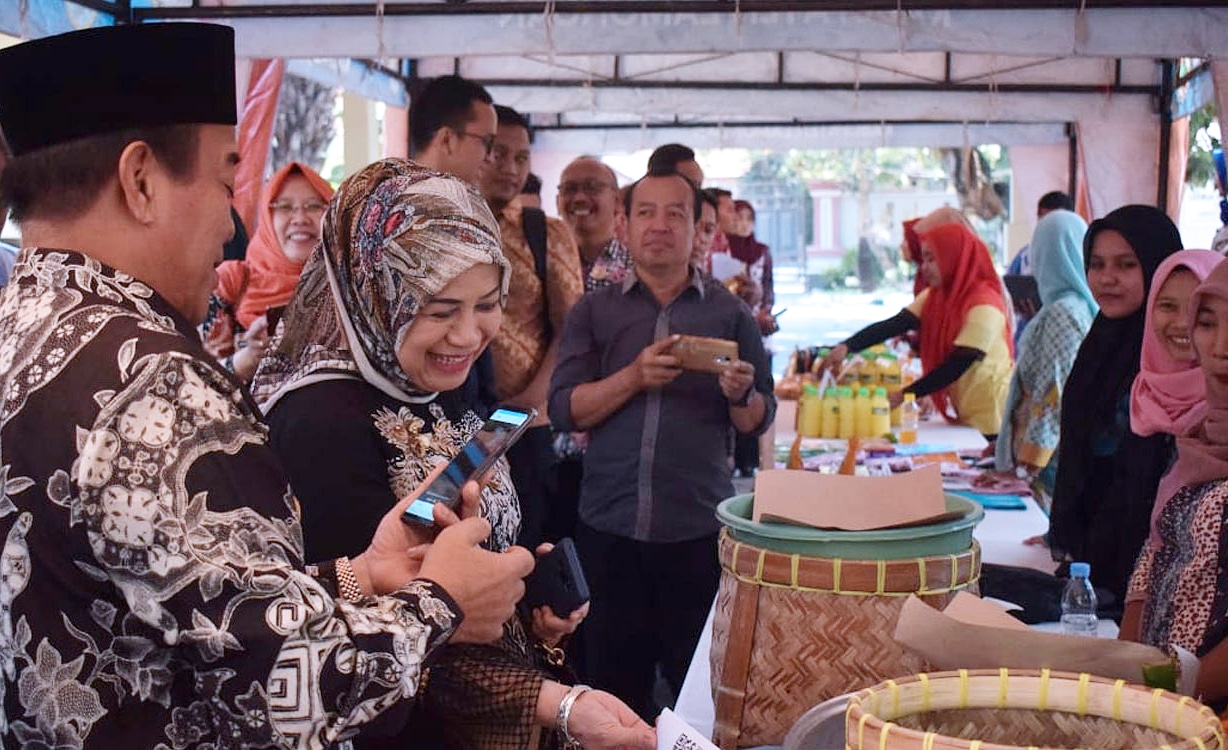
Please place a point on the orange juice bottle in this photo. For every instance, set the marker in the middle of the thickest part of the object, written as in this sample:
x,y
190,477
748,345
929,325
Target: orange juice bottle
x,y
880,417
812,411
910,416
847,425
867,377
831,414
861,413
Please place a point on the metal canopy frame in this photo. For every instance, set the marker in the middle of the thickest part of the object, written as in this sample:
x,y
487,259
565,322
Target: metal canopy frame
x,y
607,68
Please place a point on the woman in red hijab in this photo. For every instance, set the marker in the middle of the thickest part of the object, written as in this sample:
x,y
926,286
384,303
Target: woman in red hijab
x,y
236,329
966,345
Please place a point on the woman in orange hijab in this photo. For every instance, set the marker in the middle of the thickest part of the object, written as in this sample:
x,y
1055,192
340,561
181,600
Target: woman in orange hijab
x,y
236,328
966,344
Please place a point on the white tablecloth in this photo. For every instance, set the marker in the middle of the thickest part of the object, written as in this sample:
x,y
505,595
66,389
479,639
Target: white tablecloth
x,y
1001,535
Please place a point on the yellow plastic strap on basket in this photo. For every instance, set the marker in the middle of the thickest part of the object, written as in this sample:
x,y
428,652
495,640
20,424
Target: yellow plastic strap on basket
x,y
1042,701
963,688
759,566
927,743
1154,719
1181,704
861,730
835,575
884,734
1004,676
894,688
733,561
1081,700
1117,688
794,563
924,585
974,745
924,679
882,577
1198,741
954,572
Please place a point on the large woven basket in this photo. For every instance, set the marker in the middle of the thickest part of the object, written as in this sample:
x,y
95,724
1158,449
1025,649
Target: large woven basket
x,y
999,709
792,630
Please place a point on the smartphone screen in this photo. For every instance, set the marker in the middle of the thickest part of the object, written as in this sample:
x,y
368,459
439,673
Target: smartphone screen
x,y
478,455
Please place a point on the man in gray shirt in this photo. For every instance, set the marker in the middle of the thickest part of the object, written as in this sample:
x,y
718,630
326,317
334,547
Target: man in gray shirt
x,y
657,463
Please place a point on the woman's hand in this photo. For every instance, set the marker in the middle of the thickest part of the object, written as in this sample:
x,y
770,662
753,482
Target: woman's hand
x,y
833,360
598,721
250,348
548,627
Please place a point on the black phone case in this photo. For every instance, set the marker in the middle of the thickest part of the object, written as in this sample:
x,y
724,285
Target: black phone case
x,y
557,581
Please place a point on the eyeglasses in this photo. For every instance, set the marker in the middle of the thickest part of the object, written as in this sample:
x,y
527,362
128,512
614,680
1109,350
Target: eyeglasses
x,y
588,187
310,208
488,141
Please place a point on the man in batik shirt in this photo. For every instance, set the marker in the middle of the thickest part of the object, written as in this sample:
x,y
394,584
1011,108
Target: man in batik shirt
x,y
152,588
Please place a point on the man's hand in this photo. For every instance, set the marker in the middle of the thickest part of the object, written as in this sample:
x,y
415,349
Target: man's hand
x,y
486,585
654,367
395,554
736,379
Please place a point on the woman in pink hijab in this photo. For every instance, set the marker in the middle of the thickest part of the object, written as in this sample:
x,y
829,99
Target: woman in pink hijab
x,y
1182,577
1169,393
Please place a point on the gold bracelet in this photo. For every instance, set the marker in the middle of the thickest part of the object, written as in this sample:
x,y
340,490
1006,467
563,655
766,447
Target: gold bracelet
x,y
347,582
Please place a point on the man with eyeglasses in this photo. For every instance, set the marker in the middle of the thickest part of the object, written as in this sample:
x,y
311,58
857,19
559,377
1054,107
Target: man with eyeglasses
x,y
452,127
588,200
546,282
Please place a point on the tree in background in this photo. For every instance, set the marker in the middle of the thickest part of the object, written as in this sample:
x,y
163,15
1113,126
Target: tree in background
x,y
306,123
1200,170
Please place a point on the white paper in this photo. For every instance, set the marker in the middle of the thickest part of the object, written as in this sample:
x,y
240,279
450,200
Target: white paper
x,y
675,734
725,266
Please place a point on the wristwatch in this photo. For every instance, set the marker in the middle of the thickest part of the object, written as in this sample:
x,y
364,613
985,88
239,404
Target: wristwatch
x,y
745,400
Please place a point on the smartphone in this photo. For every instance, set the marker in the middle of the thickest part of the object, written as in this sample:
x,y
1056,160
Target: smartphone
x,y
1022,288
503,428
557,581
704,354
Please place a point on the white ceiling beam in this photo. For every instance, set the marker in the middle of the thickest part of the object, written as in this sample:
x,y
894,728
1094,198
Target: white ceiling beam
x,y
1097,32
936,135
838,106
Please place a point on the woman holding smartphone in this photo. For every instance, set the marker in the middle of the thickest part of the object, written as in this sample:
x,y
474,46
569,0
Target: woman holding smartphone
x,y
360,390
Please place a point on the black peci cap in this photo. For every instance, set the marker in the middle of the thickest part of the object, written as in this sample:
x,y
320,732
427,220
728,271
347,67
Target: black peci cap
x,y
61,88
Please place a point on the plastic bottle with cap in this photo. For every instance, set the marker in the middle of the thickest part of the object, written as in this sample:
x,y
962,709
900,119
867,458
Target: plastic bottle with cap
x,y
847,426
880,414
1079,602
910,417
831,414
812,411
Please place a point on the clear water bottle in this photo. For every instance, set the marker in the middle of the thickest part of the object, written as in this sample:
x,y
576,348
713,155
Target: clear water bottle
x,y
1079,602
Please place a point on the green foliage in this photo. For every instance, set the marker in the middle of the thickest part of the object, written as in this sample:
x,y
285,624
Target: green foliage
x,y
834,277
1200,170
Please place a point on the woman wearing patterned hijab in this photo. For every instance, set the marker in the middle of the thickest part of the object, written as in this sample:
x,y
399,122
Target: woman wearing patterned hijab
x,y
361,392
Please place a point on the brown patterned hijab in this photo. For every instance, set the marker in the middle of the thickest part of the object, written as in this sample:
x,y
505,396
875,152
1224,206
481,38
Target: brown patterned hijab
x,y
395,234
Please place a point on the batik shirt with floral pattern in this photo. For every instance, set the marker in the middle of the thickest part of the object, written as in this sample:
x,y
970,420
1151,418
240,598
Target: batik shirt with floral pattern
x,y
152,588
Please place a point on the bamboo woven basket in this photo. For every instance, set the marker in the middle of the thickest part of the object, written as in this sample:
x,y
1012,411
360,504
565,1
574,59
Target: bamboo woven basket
x,y
791,631
999,709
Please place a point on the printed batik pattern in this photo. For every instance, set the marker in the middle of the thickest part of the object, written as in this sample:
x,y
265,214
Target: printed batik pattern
x,y
152,587
423,445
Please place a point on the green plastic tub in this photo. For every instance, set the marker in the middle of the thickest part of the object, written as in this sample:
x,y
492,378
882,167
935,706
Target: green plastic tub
x,y
947,538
